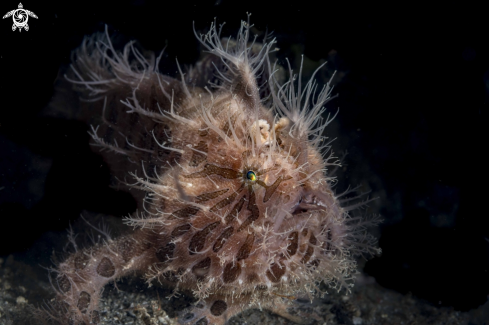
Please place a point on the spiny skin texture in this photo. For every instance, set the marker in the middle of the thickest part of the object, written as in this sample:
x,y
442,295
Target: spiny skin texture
x,y
238,205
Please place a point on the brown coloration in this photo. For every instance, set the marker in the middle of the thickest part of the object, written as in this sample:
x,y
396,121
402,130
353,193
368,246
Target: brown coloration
x,y
294,243
166,253
83,302
231,272
214,170
209,196
255,213
221,204
245,250
307,256
197,242
106,268
186,212
81,260
218,308
276,272
189,148
221,240
202,268
127,249
271,189
95,317
235,211
313,240
180,230
64,284
252,278
200,155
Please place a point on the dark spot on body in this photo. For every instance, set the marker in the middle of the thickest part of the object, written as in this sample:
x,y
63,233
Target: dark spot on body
x,y
218,307
271,189
127,249
253,277
231,272
209,196
180,230
64,283
255,212
276,272
221,204
197,242
83,302
203,132
235,211
202,268
221,240
165,253
215,170
313,239
186,212
198,157
307,256
245,249
81,261
106,268
95,317
293,243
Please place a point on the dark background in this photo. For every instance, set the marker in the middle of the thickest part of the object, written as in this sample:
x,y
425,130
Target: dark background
x,y
413,115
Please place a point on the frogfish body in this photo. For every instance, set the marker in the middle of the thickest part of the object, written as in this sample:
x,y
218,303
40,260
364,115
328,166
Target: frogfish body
x,y
231,170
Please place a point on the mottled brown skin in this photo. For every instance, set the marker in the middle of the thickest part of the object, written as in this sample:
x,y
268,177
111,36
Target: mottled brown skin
x,y
236,240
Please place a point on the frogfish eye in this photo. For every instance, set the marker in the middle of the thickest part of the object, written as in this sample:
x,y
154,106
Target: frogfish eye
x,y
250,175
